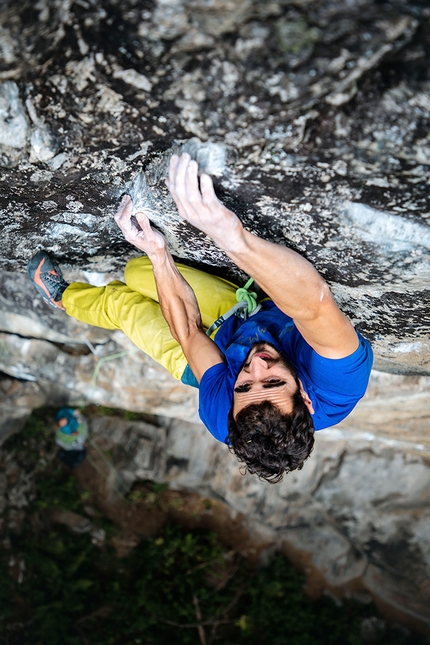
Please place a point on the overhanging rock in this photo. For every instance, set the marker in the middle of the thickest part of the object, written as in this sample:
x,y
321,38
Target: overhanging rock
x,y
313,119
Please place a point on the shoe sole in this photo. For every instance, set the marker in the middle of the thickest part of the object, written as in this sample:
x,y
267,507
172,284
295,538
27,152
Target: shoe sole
x,y
34,269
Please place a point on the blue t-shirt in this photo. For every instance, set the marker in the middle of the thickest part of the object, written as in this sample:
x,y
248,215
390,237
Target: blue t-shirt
x,y
333,385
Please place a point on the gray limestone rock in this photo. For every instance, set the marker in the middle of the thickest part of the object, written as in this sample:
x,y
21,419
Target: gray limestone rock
x,y
17,400
317,114
14,125
116,374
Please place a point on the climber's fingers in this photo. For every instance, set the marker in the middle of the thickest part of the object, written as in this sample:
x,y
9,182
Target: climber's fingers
x,y
208,192
125,209
178,182
183,184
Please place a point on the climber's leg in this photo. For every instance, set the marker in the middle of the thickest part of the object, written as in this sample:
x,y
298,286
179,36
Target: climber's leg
x,y
214,295
116,306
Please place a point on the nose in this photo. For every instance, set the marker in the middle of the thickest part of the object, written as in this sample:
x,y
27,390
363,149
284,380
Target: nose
x,y
257,366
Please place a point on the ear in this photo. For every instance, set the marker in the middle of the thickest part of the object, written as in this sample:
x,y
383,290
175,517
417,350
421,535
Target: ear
x,y
306,399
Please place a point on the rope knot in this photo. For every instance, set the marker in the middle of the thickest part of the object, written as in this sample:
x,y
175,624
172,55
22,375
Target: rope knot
x,y
249,297
246,306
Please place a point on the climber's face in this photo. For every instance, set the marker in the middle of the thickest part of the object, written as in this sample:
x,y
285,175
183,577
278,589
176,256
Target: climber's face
x,y
267,375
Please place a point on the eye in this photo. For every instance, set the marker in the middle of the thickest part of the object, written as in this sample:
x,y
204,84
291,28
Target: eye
x,y
245,387
274,382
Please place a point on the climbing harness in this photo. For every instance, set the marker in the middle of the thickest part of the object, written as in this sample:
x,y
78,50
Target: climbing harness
x,y
245,307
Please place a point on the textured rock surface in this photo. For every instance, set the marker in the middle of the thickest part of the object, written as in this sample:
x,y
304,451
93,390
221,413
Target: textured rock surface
x,y
314,118
17,400
113,374
317,116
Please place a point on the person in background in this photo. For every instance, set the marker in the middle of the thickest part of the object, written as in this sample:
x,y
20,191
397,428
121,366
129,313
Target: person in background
x,y
71,434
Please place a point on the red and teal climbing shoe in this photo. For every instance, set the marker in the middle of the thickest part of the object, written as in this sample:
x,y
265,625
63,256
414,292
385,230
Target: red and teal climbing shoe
x,y
47,278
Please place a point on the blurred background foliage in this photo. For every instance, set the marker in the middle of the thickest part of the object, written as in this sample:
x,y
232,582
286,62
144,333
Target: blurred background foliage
x,y
180,586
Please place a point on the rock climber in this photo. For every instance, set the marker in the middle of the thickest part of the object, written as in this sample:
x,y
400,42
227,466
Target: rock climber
x,y
266,381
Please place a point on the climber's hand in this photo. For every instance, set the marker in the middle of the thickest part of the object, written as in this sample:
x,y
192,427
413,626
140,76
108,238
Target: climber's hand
x,y
199,205
137,229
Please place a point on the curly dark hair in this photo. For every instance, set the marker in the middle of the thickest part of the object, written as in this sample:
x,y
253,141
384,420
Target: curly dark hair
x,y
271,443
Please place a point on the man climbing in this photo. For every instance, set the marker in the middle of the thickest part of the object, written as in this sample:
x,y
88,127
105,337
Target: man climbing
x,y
265,383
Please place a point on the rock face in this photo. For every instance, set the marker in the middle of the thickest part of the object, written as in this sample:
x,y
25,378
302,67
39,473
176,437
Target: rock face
x,y
314,119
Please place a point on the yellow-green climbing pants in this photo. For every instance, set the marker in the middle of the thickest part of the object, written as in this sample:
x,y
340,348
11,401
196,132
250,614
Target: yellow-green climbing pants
x,y
133,307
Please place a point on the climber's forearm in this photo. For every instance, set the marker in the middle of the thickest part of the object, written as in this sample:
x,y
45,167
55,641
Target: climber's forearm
x,y
298,290
181,311
177,300
288,278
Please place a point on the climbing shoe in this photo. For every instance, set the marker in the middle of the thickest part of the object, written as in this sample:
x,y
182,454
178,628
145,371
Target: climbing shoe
x,y
47,278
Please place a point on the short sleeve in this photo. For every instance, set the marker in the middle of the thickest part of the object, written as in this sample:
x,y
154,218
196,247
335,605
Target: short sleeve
x,y
336,385
215,400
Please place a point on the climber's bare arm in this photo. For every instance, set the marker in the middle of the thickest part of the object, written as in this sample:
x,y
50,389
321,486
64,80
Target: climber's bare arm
x,y
290,280
177,300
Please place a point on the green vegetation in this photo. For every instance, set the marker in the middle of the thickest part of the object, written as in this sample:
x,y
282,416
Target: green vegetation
x,y
128,415
181,587
75,592
56,491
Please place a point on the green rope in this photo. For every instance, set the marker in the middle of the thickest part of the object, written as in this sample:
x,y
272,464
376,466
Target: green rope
x,y
246,306
250,297
110,358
